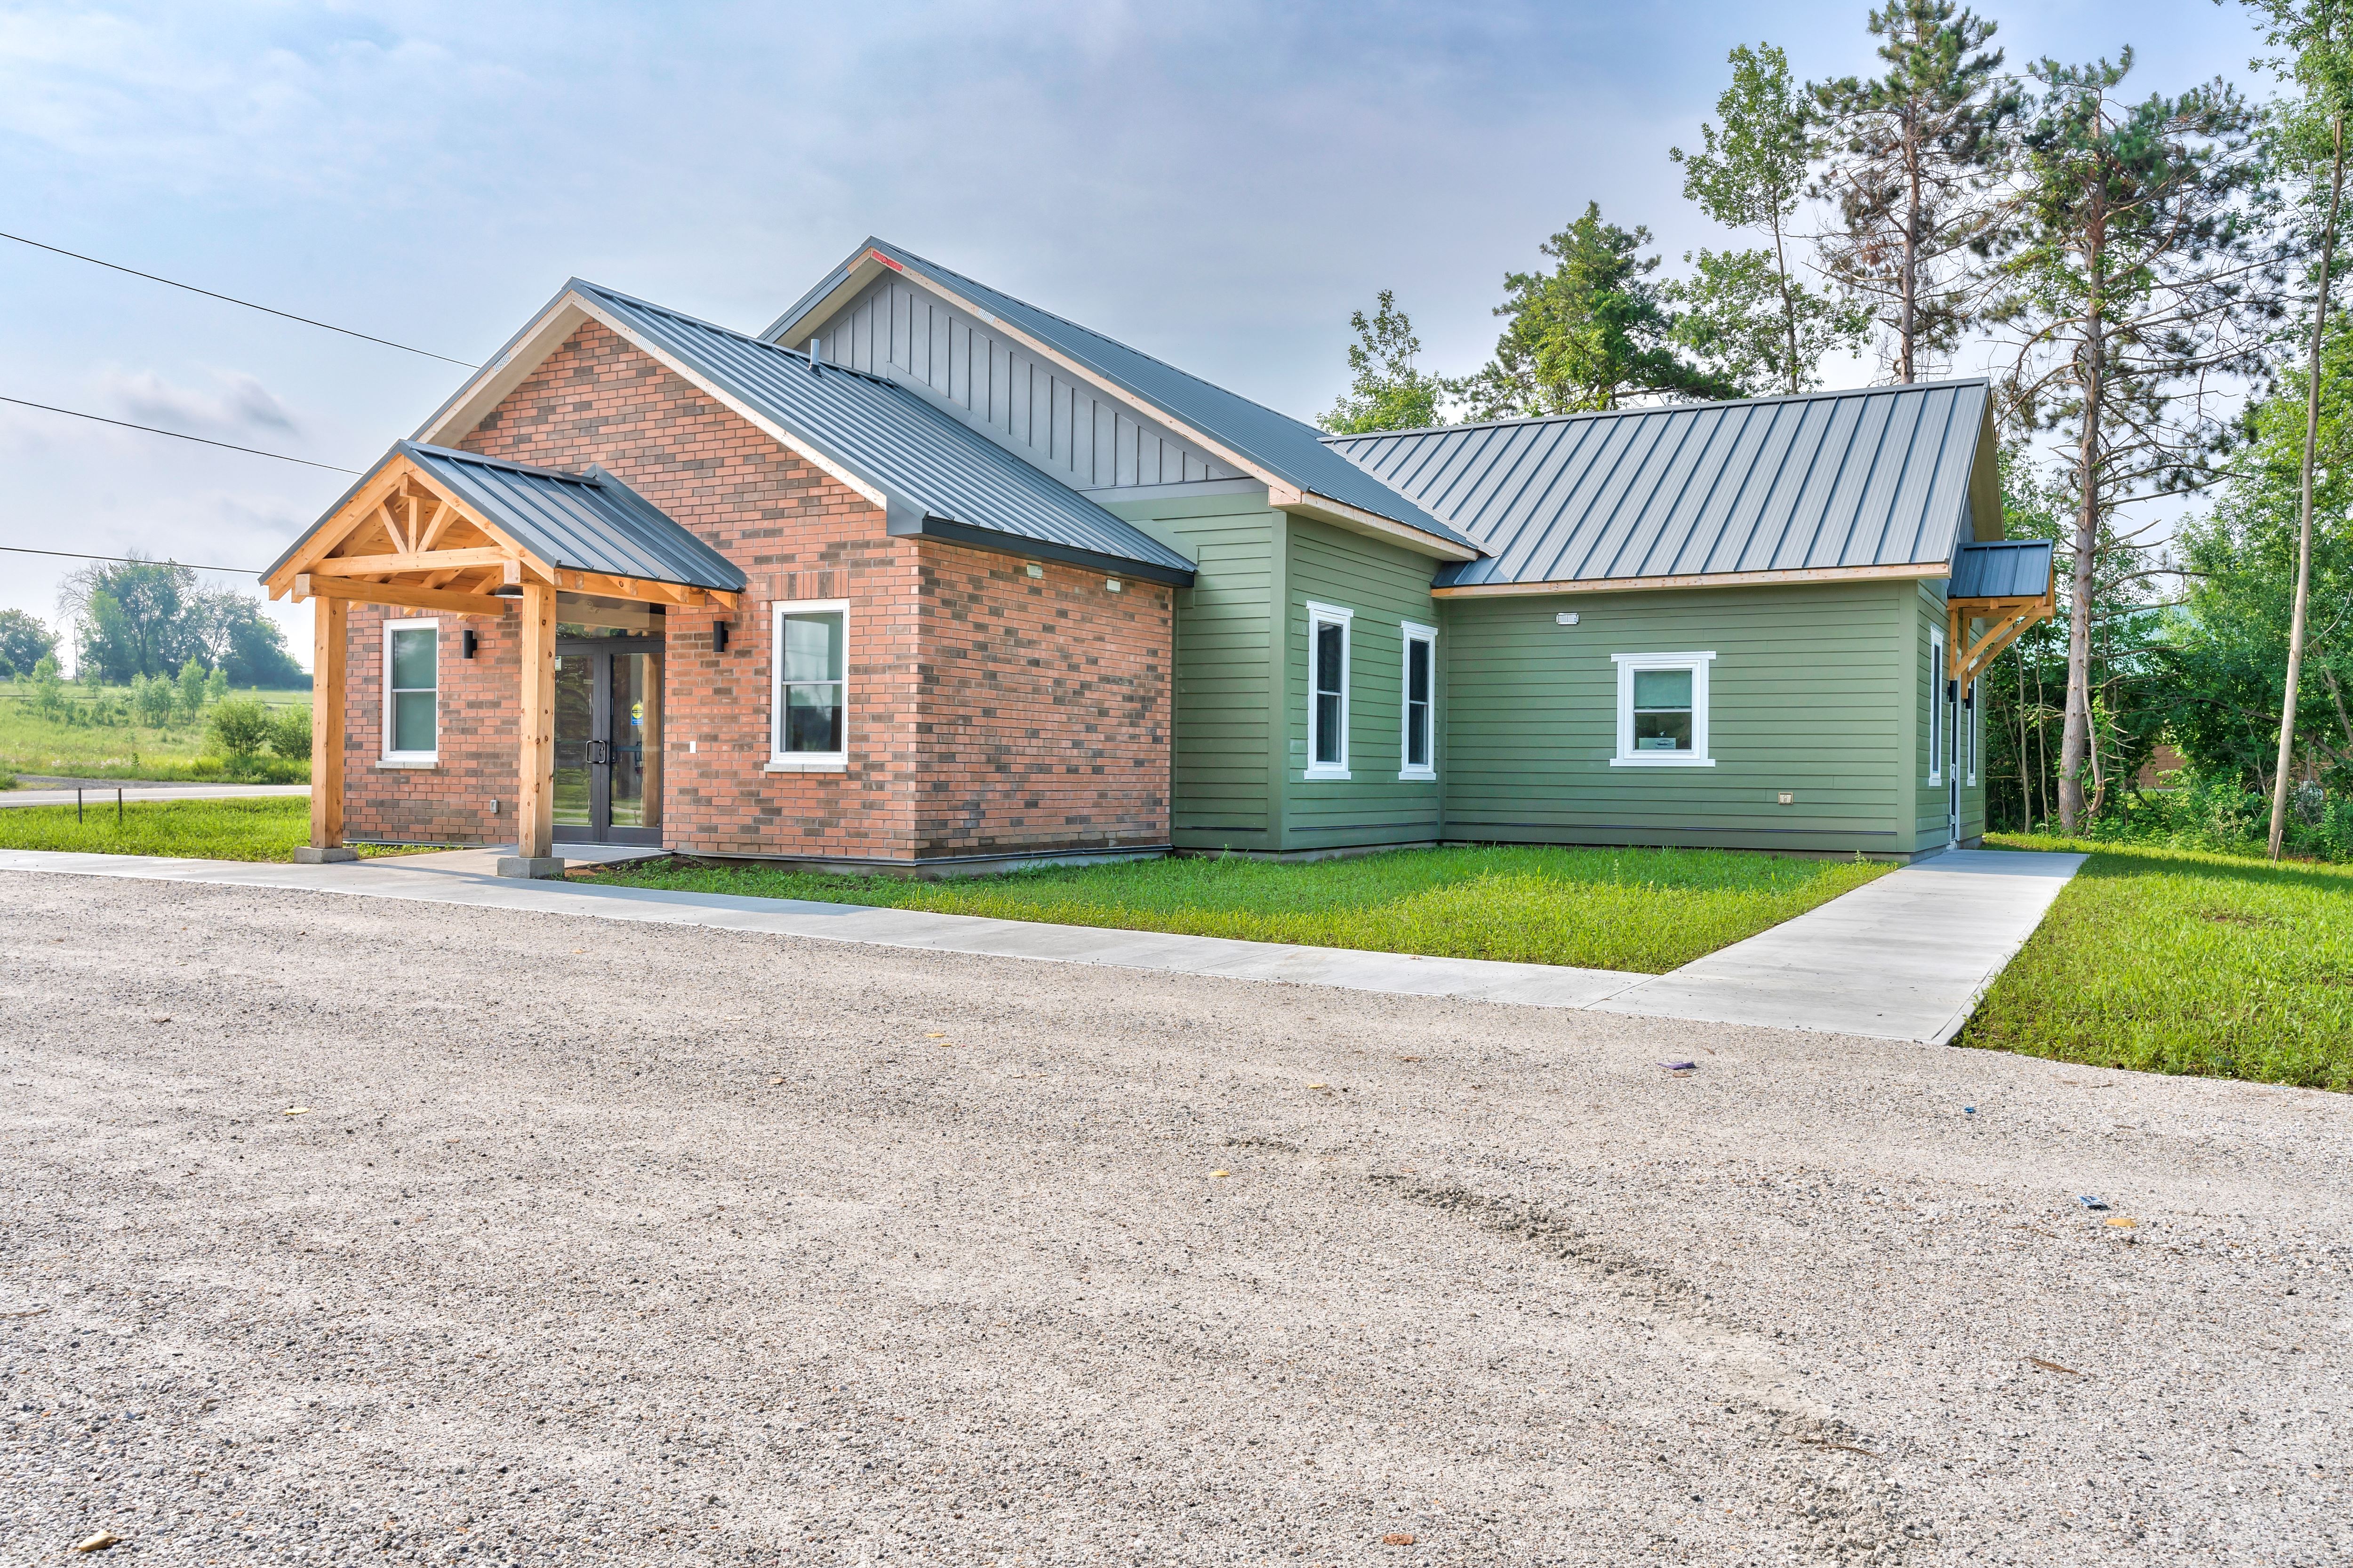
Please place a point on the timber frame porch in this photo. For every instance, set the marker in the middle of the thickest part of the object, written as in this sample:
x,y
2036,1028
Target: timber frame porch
x,y
454,534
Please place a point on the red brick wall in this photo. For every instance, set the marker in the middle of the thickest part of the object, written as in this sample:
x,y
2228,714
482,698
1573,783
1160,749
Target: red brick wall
x,y
989,711
479,731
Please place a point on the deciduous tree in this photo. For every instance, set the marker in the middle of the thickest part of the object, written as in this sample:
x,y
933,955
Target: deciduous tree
x,y
1385,390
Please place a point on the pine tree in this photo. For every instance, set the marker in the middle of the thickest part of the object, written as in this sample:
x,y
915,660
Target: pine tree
x,y
1589,334
2134,295
1912,159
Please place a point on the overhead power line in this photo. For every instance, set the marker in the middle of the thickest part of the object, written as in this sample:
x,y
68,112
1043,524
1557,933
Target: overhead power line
x,y
232,300
130,560
176,436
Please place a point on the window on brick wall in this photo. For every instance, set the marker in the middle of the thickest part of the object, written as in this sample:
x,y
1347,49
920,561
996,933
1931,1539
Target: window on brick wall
x,y
809,711
412,691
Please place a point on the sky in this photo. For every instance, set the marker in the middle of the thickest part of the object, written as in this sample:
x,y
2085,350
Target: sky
x,y
1218,184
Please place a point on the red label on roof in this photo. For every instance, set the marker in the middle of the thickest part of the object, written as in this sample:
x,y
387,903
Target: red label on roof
x,y
886,261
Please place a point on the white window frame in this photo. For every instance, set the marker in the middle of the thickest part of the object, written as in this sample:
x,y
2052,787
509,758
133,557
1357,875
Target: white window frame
x,y
1699,756
779,759
1319,617
1414,632
1936,677
397,759
1970,727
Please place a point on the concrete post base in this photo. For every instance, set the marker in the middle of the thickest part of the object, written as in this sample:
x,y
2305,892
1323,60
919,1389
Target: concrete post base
x,y
531,865
312,855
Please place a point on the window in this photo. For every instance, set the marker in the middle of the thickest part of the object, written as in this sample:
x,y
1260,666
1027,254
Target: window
x,y
1937,718
1970,731
1416,759
1327,712
412,696
809,711
1663,710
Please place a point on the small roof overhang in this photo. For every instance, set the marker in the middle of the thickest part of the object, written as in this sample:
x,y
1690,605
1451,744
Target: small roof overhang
x,y
434,528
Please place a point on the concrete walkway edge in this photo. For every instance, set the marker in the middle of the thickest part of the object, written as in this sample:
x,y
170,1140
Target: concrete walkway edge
x,y
1904,957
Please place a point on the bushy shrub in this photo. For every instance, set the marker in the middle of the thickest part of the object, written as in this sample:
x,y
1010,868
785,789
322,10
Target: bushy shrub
x,y
217,685
289,734
153,696
49,687
192,689
2223,815
240,726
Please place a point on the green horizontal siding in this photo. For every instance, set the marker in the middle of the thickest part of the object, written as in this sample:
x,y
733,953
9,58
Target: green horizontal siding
x,y
1806,694
1385,588
1225,689
1930,825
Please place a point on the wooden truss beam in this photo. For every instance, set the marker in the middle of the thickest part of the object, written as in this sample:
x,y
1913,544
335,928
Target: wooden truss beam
x,y
422,561
2011,618
307,586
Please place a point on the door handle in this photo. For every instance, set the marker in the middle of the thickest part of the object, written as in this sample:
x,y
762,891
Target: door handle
x,y
600,753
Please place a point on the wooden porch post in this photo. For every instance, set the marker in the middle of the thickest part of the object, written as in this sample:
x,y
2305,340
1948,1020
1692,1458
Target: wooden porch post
x,y
535,809
330,624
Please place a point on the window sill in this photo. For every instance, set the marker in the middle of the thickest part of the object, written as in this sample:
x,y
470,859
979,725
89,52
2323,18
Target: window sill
x,y
1418,776
1325,776
409,761
806,766
1663,760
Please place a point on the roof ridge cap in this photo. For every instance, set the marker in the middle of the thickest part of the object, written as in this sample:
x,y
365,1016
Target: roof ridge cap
x,y
1692,405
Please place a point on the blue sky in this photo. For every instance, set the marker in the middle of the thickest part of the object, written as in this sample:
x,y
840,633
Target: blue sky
x,y
1218,184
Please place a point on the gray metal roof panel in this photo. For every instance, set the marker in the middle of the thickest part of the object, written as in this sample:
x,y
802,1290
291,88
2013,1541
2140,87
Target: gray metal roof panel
x,y
1876,477
1273,442
2002,568
583,523
918,456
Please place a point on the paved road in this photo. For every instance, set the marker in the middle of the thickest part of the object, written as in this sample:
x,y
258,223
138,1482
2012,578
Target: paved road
x,y
97,794
623,1242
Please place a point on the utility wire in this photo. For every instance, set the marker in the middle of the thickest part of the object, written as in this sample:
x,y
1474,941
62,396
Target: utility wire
x,y
232,300
176,436
129,560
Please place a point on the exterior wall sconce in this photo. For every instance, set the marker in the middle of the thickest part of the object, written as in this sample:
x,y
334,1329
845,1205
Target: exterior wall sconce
x,y
719,637
471,645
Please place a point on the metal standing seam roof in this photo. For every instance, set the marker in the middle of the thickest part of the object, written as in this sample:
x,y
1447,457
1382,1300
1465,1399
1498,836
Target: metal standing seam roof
x,y
583,523
1275,443
1878,477
2002,569
933,469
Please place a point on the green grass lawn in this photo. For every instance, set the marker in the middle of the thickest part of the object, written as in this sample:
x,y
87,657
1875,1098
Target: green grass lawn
x,y
266,829
2184,961
33,743
1645,910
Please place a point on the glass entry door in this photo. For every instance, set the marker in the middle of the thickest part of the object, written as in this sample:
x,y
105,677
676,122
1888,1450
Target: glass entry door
x,y
608,740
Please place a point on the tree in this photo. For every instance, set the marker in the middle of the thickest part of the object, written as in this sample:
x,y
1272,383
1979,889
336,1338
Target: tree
x,y
2314,34
23,640
1588,334
192,689
1740,318
131,618
49,689
151,698
1385,390
1750,176
1912,159
2131,293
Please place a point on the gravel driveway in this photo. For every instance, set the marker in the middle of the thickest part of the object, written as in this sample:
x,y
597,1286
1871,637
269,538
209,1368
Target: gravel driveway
x,y
625,1245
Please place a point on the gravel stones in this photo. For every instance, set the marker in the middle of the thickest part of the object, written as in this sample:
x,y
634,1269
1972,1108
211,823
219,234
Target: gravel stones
x,y
618,1244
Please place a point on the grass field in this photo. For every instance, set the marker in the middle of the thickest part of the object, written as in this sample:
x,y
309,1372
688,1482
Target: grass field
x,y
1645,910
32,744
266,829
2183,962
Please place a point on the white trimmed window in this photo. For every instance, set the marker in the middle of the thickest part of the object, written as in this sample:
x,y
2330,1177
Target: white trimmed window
x,y
1328,691
412,692
810,705
1938,717
1663,710
1970,727
1418,749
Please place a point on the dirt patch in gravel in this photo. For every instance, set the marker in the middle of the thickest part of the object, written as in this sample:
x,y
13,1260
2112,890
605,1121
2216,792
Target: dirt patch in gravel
x,y
345,1229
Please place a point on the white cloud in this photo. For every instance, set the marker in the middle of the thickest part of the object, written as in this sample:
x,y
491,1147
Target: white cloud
x,y
237,403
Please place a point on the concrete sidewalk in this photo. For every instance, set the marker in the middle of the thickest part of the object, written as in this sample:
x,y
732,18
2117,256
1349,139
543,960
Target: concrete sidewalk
x,y
1902,958
95,795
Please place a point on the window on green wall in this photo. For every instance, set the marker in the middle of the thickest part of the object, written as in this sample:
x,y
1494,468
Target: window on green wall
x,y
1327,710
1662,710
1939,715
1417,754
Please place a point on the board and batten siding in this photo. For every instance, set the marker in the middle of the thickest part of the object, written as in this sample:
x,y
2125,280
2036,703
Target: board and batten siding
x,y
1228,685
898,329
1808,694
1384,586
